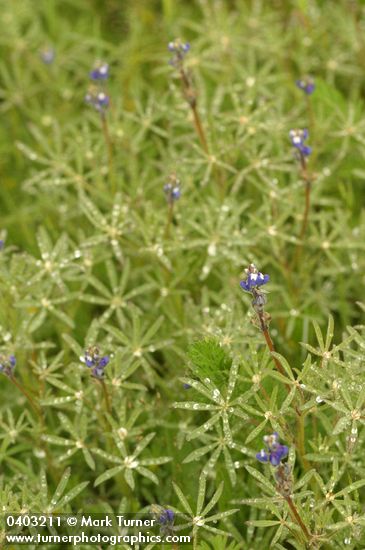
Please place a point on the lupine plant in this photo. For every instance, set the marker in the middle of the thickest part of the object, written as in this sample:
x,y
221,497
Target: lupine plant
x,y
182,240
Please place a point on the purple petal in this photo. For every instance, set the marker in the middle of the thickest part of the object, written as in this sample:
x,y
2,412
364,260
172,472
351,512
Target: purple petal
x,y
262,456
261,281
98,372
104,361
282,451
245,286
275,459
306,150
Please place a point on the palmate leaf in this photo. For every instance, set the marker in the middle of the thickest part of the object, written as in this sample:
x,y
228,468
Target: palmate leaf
x,y
199,453
197,432
61,486
71,495
262,479
182,499
256,431
108,474
201,492
213,501
128,475
230,466
263,523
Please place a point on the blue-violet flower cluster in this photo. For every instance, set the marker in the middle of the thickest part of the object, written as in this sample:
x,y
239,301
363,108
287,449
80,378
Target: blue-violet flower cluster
x,y
97,96
297,138
100,71
274,452
306,84
164,517
179,49
172,189
97,99
254,278
7,365
93,360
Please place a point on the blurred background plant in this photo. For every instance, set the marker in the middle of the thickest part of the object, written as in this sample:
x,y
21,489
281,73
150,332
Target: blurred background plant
x,y
86,260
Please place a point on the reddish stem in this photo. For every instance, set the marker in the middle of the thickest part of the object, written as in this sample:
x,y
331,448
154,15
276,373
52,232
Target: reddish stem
x,y
26,394
191,99
297,517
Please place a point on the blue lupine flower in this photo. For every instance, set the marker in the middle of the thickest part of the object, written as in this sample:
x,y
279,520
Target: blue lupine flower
x,y
7,365
97,99
47,55
172,189
166,517
2,244
180,49
274,452
186,386
297,138
177,46
306,84
254,278
95,362
100,71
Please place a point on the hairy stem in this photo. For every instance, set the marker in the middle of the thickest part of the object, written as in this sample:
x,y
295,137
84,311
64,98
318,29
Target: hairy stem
x,y
106,397
297,518
299,439
109,146
270,344
306,209
310,114
27,396
190,96
199,128
170,216
308,187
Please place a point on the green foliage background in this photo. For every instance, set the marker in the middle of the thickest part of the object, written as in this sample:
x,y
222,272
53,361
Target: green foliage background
x,y
87,260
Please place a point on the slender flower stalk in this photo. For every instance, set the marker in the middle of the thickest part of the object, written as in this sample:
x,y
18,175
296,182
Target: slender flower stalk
x,y
298,138
26,395
172,190
255,280
307,85
273,455
106,396
180,49
109,147
97,363
7,367
98,98
297,518
165,518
